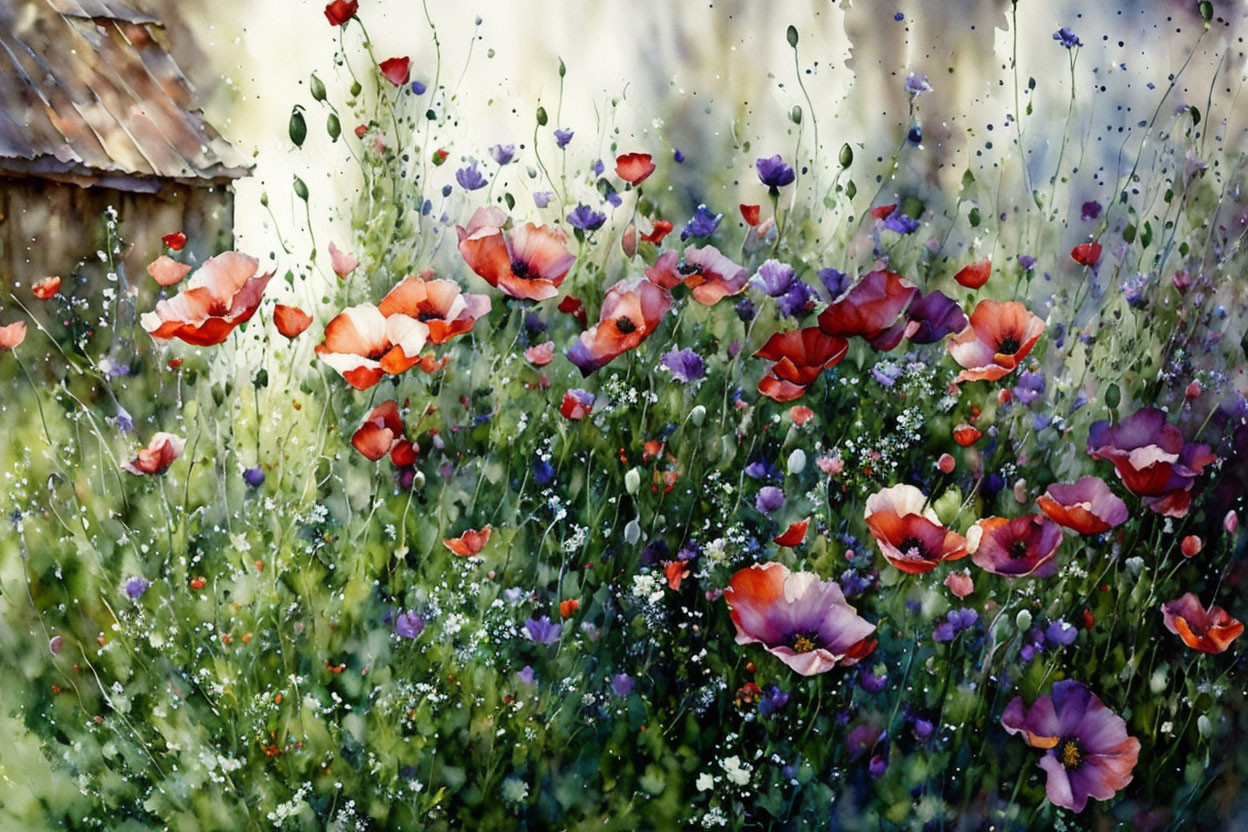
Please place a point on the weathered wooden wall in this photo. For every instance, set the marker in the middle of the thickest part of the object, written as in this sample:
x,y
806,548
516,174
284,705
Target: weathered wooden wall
x,y
48,227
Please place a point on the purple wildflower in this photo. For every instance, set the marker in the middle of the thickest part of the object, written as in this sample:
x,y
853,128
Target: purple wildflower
x,y
254,477
774,173
917,84
621,684
702,224
503,153
685,365
774,278
562,137
900,223
470,179
136,586
1091,210
408,624
543,630
770,499
586,218
1067,38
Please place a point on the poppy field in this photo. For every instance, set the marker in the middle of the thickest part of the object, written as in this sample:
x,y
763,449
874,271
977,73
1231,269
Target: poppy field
x,y
595,481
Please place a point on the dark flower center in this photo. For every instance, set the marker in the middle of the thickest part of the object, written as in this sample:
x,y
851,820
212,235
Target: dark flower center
x,y
688,269
520,268
1008,346
913,546
1069,754
1018,549
427,315
625,325
804,642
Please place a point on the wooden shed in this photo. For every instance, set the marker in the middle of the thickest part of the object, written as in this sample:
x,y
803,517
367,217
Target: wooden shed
x,y
95,113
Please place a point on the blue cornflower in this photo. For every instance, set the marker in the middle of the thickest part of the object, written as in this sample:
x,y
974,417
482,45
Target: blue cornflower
x,y
586,218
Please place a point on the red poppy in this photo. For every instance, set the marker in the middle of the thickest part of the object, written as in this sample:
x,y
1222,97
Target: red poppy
x,y
708,273
572,305
1087,506
12,334
975,275
960,584
528,262
174,241
380,432
999,337
871,310
1209,631
800,414
159,454
793,535
750,213
966,435
800,355
676,572
470,542
398,71
577,404
634,168
1086,254
907,531
167,271
630,312
659,230
46,288
440,304
881,212
340,11
291,321
363,345
223,293
568,607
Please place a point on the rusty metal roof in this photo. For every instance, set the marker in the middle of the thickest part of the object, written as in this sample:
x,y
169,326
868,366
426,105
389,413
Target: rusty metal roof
x,y
90,94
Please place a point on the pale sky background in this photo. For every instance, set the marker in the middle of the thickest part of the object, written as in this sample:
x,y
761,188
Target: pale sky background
x,y
693,73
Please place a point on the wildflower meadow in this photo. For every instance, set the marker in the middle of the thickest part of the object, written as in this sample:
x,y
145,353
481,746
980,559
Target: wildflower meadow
x,y
591,479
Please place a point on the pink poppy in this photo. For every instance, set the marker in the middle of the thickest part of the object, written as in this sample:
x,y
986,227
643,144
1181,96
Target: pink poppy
x,y
630,313
873,309
999,337
440,304
159,454
803,621
12,334
1014,548
1087,750
539,355
908,532
960,584
1087,506
709,274
341,262
528,262
168,272
223,293
1209,631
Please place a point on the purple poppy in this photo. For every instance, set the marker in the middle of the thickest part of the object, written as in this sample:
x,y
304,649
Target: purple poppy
x,y
702,224
1088,752
1152,459
770,499
408,624
685,365
800,619
774,278
797,301
1030,386
470,179
836,282
774,173
1090,210
542,630
586,218
933,316
1015,548
503,153
1086,506
871,310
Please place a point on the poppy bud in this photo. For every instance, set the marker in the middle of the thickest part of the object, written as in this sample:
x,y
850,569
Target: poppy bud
x,y
847,156
1023,620
1230,522
632,481
1204,726
1191,546
298,127
1020,490
698,415
946,464
632,532
1193,390
797,461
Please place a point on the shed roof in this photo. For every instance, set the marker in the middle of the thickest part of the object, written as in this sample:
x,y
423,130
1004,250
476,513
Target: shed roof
x,y
89,93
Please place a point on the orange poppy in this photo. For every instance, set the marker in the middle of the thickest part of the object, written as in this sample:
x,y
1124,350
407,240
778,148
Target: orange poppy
x,y
999,337
291,321
469,543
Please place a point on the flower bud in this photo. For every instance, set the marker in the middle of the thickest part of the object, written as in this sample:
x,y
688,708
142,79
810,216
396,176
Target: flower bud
x,y
698,415
632,481
1204,726
797,461
946,463
1023,620
1191,546
1230,522
632,532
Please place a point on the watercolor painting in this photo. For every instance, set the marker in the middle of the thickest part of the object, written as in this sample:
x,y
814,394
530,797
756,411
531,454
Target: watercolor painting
x,y
818,414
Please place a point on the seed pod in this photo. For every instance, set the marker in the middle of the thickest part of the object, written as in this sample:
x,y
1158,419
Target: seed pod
x,y
333,127
791,34
298,127
541,117
698,415
632,481
1023,620
847,155
317,88
301,189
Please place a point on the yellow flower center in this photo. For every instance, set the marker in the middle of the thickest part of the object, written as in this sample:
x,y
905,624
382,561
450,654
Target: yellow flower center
x,y
1069,754
803,644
